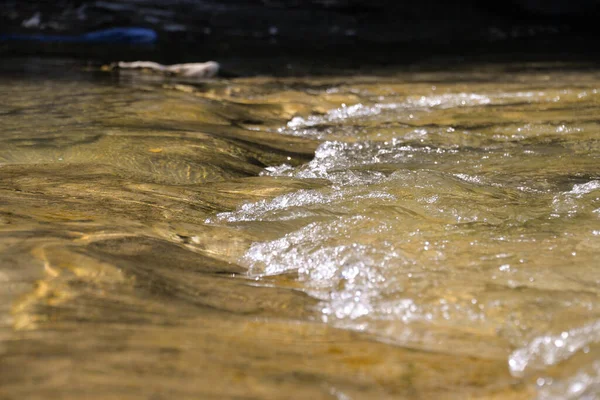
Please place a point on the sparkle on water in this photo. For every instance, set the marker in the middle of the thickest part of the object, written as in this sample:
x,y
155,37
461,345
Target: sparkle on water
x,y
413,235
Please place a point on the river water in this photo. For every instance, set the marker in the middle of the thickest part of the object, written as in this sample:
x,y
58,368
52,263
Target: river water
x,y
418,234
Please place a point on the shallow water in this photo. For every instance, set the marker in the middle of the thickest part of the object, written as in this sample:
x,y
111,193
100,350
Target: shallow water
x,y
412,235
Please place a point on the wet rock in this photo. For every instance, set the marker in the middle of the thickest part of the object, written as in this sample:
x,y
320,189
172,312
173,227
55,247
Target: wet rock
x,y
208,69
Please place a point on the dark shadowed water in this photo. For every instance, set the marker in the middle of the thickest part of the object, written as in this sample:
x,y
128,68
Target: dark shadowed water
x,y
413,235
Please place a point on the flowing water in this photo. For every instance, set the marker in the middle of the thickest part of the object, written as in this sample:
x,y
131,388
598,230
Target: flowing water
x,y
412,235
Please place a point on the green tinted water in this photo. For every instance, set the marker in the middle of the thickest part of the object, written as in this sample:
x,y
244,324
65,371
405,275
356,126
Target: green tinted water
x,y
416,235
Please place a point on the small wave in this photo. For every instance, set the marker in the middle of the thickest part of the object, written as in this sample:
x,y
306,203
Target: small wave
x,y
547,350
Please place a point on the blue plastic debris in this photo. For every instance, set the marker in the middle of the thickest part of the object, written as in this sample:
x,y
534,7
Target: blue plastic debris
x,y
111,35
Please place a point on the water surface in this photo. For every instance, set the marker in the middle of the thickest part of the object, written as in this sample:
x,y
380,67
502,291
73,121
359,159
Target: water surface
x,y
412,235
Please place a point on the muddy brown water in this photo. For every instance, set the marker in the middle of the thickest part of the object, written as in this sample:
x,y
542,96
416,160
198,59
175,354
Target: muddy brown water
x,y
418,235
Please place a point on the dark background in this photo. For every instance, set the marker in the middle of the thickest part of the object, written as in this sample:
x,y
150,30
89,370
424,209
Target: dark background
x,y
279,36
